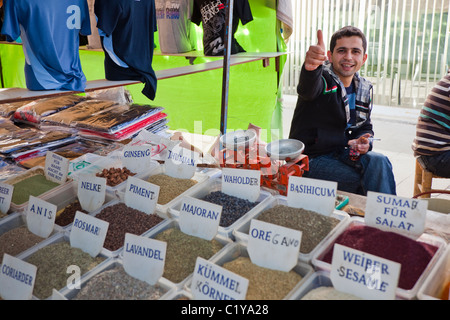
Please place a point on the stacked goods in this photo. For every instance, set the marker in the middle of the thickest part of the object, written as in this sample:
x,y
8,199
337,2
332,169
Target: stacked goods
x,y
120,122
34,111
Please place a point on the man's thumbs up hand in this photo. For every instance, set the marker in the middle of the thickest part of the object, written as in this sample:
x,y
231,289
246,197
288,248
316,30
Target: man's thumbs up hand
x,y
316,54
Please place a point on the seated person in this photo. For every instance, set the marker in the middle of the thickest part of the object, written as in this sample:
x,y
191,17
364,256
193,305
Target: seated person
x,y
431,145
332,116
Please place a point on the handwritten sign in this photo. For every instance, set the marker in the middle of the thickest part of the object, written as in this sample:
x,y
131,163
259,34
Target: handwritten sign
x,y
91,192
397,214
180,162
241,183
6,192
144,258
212,282
88,233
141,195
312,194
273,246
136,157
199,218
17,278
56,167
363,275
40,217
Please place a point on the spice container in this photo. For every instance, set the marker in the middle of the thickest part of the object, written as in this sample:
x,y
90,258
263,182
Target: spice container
x,y
182,250
320,280
229,219
15,237
108,163
436,284
266,283
123,219
317,227
65,197
387,245
111,282
33,182
56,255
168,197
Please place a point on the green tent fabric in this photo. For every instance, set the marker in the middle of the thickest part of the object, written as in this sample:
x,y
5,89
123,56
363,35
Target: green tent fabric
x,y
193,102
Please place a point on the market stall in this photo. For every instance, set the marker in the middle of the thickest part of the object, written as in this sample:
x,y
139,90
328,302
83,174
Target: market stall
x,y
108,185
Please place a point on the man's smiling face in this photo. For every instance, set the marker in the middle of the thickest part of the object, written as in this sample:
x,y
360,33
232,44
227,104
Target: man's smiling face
x,y
347,58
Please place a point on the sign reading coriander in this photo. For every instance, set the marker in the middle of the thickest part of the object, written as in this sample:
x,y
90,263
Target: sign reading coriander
x,y
17,278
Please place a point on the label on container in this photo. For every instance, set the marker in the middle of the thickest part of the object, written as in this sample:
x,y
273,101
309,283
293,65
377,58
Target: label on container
x,y
137,157
273,246
16,278
40,216
180,162
57,296
364,275
91,192
6,192
56,167
199,218
141,195
241,183
212,282
312,194
144,258
397,214
88,233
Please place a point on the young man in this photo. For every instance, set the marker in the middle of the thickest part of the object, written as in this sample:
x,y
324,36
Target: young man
x,y
432,143
332,116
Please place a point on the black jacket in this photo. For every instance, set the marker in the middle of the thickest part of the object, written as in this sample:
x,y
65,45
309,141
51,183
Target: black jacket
x,y
321,115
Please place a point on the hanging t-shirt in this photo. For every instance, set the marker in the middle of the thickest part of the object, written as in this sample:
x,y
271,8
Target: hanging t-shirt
x,y
174,25
127,30
212,15
50,36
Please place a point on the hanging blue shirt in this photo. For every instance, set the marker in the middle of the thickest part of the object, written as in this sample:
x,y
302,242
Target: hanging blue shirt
x,y
50,32
127,30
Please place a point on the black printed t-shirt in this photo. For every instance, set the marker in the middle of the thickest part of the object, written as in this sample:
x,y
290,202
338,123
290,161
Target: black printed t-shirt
x,y
127,28
212,14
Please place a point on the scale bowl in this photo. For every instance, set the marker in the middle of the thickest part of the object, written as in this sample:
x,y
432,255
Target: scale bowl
x,y
238,139
285,149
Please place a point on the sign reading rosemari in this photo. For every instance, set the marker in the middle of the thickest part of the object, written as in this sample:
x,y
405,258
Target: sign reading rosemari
x,y
212,282
88,233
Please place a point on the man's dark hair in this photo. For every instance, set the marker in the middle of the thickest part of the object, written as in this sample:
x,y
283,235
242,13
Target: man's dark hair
x,y
348,31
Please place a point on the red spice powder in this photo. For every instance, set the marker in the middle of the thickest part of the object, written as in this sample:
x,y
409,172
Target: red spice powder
x,y
413,256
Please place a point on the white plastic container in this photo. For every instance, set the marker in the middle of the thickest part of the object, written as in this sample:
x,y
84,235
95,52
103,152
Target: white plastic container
x,y
237,250
438,277
45,195
116,253
112,162
59,237
213,185
163,209
400,293
241,231
174,224
70,294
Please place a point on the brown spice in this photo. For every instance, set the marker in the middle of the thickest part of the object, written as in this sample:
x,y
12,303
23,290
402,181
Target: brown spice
x,y
17,240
